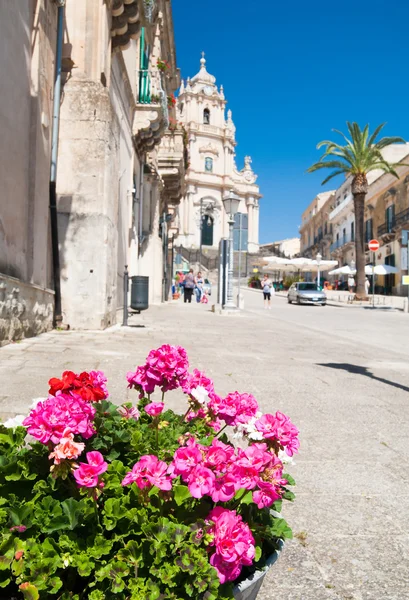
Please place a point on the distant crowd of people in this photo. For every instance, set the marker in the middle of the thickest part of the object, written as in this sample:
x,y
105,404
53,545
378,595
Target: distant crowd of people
x,y
191,283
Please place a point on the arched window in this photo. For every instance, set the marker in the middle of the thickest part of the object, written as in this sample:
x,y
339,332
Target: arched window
x,y
206,116
209,164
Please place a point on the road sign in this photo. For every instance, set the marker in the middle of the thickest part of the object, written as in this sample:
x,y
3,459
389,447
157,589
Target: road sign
x,y
405,279
373,245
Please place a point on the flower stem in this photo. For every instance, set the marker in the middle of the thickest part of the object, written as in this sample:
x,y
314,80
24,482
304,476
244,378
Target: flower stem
x,y
222,429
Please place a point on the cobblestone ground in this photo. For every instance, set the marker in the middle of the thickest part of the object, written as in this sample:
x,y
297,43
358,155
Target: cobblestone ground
x,y
341,374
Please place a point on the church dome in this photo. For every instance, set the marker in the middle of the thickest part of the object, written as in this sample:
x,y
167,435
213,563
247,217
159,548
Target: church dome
x,y
203,76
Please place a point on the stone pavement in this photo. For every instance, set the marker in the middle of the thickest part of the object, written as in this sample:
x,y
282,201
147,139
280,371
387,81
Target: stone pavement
x,y
341,375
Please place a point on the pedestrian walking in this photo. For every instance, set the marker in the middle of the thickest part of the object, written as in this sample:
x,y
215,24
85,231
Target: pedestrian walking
x,y
267,287
351,284
367,286
199,287
189,286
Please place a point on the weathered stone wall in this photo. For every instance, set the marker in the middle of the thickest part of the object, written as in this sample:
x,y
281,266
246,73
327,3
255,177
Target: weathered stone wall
x,y
25,310
88,205
27,46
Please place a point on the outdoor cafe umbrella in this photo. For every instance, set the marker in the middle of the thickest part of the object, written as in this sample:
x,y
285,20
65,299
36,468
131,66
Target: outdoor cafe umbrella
x,y
381,270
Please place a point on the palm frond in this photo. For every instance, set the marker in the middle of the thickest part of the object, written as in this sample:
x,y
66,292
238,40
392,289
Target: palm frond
x,y
375,134
330,164
360,155
333,174
387,141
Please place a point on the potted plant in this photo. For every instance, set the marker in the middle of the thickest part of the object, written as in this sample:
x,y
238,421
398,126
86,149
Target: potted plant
x,y
171,100
136,501
163,65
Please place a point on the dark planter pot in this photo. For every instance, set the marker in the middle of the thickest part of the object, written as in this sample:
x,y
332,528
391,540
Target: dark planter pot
x,y
249,588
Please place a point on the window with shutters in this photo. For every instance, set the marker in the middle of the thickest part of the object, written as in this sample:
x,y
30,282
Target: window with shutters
x,y
390,218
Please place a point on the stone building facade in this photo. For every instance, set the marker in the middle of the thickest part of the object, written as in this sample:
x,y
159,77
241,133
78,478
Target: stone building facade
x,y
120,169
315,228
115,179
27,55
328,224
212,171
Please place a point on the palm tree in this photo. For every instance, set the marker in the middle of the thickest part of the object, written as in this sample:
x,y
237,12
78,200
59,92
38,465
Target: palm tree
x,y
356,159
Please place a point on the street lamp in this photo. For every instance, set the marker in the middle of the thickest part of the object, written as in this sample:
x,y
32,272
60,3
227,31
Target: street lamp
x,y
231,206
318,258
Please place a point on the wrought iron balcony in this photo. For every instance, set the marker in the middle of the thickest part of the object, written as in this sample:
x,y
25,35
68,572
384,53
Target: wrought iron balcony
x,y
346,239
172,163
402,217
386,228
151,116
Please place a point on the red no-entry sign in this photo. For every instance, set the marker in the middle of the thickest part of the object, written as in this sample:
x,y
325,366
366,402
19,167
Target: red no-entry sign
x,y
373,245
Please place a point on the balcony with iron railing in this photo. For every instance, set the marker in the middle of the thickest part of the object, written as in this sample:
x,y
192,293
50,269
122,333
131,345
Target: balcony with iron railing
x,y
173,162
340,208
343,241
152,115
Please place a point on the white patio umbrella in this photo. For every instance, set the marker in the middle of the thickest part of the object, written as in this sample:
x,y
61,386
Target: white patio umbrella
x,y
345,270
323,266
381,270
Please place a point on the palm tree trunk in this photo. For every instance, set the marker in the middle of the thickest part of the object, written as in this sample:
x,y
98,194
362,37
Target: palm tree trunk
x,y
359,205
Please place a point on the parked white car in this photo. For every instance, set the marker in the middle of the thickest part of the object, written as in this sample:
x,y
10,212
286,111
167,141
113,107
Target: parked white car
x,y
303,292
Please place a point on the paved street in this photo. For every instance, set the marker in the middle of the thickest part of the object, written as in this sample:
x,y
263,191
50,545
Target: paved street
x,y
341,374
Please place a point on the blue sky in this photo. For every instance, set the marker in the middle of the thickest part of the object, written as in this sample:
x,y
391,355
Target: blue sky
x,y
291,72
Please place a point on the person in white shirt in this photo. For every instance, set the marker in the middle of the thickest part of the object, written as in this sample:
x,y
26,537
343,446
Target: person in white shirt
x,y
367,286
267,287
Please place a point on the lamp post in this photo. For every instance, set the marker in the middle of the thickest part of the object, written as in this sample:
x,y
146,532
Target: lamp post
x,y
231,206
318,259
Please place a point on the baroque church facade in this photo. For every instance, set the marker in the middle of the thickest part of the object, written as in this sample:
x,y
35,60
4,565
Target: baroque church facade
x,y
212,172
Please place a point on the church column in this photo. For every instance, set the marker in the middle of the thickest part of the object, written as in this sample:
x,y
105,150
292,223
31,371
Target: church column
x,y
249,203
226,160
256,215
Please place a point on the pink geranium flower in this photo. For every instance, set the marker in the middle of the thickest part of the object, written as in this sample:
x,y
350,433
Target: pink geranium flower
x,y
67,449
225,488
235,409
166,367
129,413
186,459
195,380
150,471
50,418
154,408
87,475
265,495
201,482
279,428
233,541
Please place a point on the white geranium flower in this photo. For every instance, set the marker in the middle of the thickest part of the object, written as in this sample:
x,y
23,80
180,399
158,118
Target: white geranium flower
x,y
200,394
285,459
16,421
255,436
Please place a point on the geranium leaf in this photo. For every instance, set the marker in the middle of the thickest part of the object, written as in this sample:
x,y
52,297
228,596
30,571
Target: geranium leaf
x,y
71,510
29,591
181,493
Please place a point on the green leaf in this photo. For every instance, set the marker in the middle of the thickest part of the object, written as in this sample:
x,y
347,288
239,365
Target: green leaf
x,y
29,591
258,554
181,493
247,499
71,510
289,479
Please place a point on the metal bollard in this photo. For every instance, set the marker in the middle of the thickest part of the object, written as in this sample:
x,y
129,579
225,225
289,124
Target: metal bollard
x,y
126,288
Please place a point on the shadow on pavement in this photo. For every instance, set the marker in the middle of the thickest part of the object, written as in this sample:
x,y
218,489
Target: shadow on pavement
x,y
358,370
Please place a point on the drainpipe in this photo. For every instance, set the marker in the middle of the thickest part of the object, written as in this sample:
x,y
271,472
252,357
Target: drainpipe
x,y
140,217
57,319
